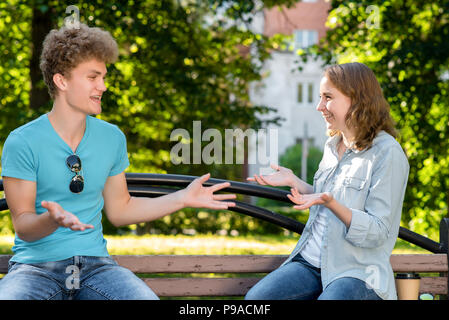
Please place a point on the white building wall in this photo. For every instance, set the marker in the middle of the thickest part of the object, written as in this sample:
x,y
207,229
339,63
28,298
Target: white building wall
x,y
279,90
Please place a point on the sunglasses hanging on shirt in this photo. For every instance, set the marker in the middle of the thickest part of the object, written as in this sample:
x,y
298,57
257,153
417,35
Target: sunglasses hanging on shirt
x,y
77,182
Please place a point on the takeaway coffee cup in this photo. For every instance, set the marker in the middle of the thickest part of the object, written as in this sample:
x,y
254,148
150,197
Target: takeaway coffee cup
x,y
407,286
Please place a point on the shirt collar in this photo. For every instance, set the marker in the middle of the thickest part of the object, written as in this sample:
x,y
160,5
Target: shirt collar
x,y
333,141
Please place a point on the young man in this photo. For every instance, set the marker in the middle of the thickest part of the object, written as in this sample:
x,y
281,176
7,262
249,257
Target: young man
x,y
62,168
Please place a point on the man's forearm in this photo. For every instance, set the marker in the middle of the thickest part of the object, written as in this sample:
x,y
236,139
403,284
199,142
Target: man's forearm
x,y
142,209
30,226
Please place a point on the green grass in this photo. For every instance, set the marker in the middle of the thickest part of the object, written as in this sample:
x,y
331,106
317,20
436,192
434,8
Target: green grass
x,y
204,244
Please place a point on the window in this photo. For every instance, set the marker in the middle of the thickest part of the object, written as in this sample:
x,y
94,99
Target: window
x,y
305,38
300,93
310,93
305,92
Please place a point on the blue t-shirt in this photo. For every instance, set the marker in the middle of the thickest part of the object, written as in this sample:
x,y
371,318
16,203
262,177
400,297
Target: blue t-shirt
x,y
36,152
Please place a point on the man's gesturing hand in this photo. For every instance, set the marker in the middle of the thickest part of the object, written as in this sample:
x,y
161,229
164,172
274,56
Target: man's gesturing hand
x,y
198,196
64,218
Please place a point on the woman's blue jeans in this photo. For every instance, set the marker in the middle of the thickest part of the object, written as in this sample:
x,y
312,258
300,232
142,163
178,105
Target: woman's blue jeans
x,y
76,278
299,280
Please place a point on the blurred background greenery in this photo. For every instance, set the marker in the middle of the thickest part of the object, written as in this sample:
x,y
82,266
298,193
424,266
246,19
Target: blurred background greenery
x,y
184,60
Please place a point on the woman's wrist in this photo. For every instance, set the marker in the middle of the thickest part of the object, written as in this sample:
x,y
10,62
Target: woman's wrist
x,y
329,200
294,181
300,185
340,211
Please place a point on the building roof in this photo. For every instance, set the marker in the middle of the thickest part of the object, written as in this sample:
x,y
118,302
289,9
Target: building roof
x,y
303,15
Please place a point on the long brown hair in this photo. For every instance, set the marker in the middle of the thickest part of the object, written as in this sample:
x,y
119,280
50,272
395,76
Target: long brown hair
x,y
369,112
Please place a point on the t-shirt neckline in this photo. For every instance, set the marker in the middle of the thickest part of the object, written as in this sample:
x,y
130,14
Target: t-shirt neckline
x,y
82,142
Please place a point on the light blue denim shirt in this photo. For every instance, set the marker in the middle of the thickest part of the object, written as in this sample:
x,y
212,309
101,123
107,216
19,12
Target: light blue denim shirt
x,y
371,183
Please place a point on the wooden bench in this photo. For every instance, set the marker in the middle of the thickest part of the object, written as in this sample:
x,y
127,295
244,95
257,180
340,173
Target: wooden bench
x,y
186,275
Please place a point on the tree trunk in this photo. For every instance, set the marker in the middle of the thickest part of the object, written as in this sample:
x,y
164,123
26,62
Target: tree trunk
x,y
41,26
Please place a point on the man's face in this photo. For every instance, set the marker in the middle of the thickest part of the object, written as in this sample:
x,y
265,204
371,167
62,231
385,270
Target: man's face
x,y
85,86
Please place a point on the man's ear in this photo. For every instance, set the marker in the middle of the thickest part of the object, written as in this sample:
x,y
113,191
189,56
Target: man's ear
x,y
60,81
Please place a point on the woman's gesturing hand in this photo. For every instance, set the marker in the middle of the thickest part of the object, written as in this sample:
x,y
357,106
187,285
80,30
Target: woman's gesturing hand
x,y
305,201
282,177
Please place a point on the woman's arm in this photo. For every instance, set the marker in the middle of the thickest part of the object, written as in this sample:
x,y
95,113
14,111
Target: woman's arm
x,y
371,226
326,198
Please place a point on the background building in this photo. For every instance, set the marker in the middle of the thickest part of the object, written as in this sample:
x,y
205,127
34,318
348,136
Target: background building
x,y
293,93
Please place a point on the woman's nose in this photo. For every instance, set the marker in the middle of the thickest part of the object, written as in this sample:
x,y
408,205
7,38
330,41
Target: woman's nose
x,y
321,106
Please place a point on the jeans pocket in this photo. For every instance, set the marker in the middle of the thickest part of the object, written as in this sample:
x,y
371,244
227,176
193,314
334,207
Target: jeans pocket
x,y
11,264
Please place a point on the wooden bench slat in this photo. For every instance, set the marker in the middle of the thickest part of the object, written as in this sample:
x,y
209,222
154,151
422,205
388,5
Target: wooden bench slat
x,y
185,287
247,263
166,287
419,263
258,263
4,263
433,285
200,263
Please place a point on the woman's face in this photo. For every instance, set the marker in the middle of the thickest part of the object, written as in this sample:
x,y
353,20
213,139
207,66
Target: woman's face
x,y
333,106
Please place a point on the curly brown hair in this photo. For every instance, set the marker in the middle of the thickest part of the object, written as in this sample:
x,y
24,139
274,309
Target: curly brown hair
x,y
65,48
369,112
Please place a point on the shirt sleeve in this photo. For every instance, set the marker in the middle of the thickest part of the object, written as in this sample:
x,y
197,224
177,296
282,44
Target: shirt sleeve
x,y
121,160
383,207
18,160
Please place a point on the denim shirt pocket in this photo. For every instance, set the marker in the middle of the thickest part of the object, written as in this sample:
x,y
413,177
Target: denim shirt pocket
x,y
354,183
351,191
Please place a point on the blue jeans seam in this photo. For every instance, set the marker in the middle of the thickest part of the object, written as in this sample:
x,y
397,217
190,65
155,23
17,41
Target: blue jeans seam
x,y
54,294
104,294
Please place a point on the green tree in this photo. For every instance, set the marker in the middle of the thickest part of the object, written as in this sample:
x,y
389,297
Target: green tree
x,y
406,44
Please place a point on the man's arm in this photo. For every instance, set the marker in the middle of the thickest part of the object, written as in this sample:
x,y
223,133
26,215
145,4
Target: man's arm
x,y
122,209
29,226
20,196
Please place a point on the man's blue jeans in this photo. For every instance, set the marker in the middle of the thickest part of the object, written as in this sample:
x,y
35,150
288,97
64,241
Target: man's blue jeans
x,y
77,278
299,280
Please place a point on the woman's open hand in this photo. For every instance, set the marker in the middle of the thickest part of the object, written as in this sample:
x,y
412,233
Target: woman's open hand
x,y
282,177
305,201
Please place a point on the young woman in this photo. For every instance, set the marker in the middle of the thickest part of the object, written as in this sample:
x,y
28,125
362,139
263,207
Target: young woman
x,y
355,201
